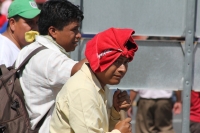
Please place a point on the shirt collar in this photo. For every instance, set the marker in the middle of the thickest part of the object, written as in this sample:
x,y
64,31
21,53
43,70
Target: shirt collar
x,y
93,77
48,42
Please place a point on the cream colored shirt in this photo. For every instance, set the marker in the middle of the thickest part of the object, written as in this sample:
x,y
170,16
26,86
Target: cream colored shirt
x,y
81,106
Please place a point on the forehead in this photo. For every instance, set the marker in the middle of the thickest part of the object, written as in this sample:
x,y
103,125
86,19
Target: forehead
x,y
73,24
26,19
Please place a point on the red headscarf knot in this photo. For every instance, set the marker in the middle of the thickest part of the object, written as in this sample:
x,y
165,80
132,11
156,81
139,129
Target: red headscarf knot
x,y
102,50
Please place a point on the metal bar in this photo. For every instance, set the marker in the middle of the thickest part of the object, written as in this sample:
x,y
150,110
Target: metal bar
x,y
188,62
80,48
123,114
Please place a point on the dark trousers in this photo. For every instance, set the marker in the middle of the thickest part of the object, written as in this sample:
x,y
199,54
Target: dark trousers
x,y
154,116
194,127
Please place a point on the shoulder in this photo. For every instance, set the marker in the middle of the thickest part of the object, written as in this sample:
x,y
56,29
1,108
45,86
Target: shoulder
x,y
81,85
5,42
7,47
55,60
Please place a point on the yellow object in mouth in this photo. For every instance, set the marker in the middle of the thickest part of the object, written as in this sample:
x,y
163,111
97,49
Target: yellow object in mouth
x,y
30,35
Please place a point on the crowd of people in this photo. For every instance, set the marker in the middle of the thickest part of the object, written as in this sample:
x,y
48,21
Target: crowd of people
x,y
49,80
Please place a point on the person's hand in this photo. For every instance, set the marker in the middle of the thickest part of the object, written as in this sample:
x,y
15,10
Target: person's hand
x,y
124,126
177,107
121,100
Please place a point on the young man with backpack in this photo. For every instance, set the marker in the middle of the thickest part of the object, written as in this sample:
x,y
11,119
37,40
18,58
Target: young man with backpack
x,y
48,70
22,17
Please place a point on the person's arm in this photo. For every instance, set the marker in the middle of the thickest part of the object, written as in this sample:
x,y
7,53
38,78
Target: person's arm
x,y
59,122
78,66
178,104
114,118
178,96
133,95
59,68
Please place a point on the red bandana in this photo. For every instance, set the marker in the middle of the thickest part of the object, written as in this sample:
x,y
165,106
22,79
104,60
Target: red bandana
x,y
102,50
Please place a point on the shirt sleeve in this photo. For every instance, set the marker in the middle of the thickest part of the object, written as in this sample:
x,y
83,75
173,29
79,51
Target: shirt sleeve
x,y
59,121
114,118
58,70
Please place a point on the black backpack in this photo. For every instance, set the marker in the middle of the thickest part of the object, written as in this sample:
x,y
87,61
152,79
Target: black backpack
x,y
14,117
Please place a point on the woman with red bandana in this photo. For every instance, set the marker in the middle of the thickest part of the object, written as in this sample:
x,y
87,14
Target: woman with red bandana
x,y
81,105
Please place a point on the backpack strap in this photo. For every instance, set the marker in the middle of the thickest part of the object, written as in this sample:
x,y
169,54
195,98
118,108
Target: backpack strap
x,y
42,120
5,70
21,66
29,57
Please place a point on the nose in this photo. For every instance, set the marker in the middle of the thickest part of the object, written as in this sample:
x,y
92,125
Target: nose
x,y
34,24
78,35
34,27
122,68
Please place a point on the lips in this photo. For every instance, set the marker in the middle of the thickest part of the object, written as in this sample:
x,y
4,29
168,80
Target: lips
x,y
76,43
118,76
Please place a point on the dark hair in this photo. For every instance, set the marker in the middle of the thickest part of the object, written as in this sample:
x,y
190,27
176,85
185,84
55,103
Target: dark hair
x,y
129,45
16,18
58,13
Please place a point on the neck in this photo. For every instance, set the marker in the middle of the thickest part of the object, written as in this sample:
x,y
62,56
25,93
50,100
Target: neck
x,y
10,35
102,85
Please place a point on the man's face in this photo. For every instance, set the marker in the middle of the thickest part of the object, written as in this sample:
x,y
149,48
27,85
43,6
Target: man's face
x,y
69,36
113,74
22,26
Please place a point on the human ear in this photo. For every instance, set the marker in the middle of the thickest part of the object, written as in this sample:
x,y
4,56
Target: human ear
x,y
52,32
12,23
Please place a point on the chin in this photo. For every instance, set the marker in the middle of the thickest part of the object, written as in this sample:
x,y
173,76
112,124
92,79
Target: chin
x,y
114,82
73,48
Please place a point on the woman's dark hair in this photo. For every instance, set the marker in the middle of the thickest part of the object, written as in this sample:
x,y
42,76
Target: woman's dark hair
x,y
58,13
